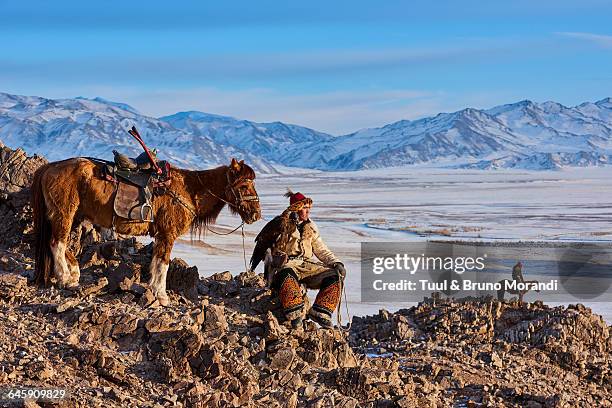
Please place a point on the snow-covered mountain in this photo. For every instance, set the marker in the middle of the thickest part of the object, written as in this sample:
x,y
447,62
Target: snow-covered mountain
x,y
61,128
276,142
520,135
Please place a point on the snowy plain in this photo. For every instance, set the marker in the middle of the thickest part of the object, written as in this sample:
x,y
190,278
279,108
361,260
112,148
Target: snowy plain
x,y
415,204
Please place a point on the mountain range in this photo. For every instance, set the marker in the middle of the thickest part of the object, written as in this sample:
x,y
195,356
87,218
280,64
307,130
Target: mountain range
x,y
525,135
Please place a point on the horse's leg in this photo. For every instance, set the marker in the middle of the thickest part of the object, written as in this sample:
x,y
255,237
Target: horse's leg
x,y
60,267
159,267
65,267
73,266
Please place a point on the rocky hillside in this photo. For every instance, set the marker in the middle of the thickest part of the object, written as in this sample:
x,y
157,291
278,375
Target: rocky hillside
x,y
222,341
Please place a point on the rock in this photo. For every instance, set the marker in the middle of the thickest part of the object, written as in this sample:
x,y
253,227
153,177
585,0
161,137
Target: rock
x,y
29,403
160,323
178,346
11,284
67,305
283,358
147,299
109,250
215,323
344,356
183,279
308,391
123,273
40,370
134,288
124,325
230,349
17,169
94,288
117,395
208,363
496,361
222,276
273,330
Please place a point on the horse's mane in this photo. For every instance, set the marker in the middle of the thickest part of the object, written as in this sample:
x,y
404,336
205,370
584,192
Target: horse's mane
x,y
246,172
215,180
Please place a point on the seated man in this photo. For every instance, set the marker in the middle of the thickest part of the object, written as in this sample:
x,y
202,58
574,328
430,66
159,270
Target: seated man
x,y
297,245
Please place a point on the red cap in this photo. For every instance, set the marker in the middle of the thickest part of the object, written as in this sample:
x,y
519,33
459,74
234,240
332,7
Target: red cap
x,y
296,197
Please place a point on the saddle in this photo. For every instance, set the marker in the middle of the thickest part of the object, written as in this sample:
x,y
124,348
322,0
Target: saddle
x,y
135,186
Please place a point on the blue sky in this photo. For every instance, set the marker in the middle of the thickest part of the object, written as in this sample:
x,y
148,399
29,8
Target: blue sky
x,y
335,66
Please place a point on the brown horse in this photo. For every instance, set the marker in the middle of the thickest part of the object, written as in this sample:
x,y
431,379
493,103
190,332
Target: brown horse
x,y
74,189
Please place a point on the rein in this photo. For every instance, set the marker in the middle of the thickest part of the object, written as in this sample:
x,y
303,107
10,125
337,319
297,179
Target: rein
x,y
182,202
238,196
222,199
193,212
225,233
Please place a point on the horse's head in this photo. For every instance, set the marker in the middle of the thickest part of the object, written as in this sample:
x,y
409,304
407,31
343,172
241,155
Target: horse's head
x,y
240,192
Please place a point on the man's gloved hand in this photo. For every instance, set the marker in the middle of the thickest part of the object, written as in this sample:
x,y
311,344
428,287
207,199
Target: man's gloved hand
x,y
339,266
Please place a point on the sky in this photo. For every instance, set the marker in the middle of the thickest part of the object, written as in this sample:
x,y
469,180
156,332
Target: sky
x,y
334,66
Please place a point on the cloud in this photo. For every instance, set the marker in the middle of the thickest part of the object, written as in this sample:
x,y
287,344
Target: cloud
x,y
251,66
599,39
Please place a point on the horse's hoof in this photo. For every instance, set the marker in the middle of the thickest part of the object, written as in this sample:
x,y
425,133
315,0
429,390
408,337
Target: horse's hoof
x,y
163,300
63,286
72,285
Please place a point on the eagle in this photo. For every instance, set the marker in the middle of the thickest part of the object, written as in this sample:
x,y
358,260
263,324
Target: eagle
x,y
275,233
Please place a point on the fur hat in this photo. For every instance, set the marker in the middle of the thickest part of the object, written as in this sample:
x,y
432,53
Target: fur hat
x,y
297,200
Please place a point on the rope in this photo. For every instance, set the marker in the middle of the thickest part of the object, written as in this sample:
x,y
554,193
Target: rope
x,y
192,210
348,315
183,203
227,233
244,250
222,199
338,310
243,242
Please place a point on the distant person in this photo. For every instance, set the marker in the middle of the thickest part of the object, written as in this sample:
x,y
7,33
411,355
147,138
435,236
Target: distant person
x,y
517,272
290,240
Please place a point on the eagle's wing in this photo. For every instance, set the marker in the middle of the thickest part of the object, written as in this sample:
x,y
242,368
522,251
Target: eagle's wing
x,y
266,238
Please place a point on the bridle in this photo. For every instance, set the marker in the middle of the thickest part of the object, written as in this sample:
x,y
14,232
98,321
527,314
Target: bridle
x,y
233,188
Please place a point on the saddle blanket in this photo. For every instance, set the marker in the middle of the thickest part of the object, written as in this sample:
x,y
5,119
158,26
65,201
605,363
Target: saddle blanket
x,y
133,203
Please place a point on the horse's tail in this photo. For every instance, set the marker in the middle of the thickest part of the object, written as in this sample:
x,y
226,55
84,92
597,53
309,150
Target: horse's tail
x,y
42,231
